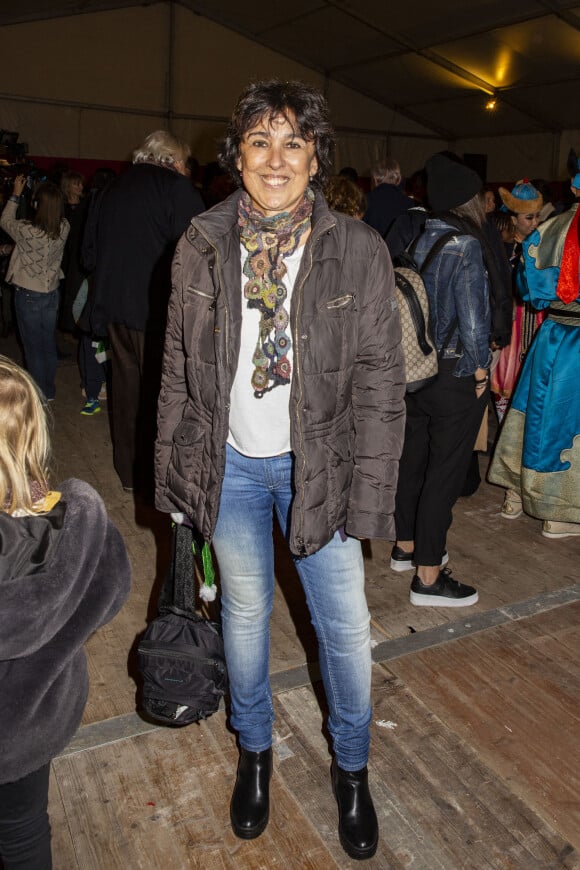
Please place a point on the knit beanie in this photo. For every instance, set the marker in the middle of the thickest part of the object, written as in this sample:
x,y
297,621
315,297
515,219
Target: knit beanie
x,y
523,199
450,183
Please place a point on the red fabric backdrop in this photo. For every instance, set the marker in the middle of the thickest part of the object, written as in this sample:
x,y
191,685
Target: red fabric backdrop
x,y
85,167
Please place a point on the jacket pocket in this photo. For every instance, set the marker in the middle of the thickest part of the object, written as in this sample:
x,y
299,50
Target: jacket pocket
x,y
333,336
199,323
187,450
202,293
341,303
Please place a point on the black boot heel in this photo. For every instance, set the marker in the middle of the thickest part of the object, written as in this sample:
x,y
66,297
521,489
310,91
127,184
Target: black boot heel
x,y
358,828
250,804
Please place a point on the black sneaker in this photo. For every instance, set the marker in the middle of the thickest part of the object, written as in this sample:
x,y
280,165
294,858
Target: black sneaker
x,y
402,561
445,592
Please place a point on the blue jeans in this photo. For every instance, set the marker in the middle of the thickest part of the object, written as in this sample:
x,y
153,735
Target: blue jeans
x,y
36,315
333,581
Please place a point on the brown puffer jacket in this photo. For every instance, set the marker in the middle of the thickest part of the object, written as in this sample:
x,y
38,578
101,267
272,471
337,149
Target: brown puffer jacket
x,y
347,411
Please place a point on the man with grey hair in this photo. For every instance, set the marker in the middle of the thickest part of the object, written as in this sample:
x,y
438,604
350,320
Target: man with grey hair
x,y
141,216
386,201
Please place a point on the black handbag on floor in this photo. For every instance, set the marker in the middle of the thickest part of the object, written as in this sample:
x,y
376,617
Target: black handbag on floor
x,y
181,655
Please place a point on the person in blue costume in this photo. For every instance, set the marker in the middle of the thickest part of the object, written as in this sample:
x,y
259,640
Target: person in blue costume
x,y
538,451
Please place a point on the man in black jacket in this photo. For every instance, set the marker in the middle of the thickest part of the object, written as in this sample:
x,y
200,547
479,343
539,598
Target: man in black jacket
x,y
141,217
386,201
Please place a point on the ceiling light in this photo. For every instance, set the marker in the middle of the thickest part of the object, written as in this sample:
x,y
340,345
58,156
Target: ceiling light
x,y
491,105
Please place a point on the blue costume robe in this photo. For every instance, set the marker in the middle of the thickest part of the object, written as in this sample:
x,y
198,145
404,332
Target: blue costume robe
x,y
538,451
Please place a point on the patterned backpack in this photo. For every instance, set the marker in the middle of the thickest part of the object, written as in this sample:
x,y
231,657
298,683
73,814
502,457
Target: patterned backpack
x,y
421,358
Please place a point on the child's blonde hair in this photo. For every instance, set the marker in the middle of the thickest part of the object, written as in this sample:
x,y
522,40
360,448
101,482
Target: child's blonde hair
x,y
24,440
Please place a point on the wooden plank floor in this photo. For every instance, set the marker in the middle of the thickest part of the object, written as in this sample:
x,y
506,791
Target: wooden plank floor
x,y
513,693
474,760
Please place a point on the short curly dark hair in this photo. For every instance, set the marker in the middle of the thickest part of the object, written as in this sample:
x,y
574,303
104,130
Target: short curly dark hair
x,y
272,99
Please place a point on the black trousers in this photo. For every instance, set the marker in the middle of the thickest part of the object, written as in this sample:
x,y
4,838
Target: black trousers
x,y
442,424
135,382
24,825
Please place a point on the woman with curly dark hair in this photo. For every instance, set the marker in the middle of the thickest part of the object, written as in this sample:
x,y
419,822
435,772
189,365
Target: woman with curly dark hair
x,y
282,391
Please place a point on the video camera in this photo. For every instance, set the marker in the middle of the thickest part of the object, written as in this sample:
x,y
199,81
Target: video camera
x,y
11,149
13,162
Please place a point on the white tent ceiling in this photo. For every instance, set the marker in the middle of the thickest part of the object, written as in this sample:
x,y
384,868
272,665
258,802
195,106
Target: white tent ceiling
x,y
437,63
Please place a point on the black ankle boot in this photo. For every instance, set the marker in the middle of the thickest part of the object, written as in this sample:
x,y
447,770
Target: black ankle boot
x,y
358,828
250,805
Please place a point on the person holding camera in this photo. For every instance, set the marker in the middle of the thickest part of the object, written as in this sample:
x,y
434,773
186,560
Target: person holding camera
x,y
35,271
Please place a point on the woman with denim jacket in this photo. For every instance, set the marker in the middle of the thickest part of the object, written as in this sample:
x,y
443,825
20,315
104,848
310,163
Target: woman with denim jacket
x,y
444,417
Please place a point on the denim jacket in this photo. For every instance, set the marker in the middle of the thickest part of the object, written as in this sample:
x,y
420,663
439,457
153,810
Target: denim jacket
x,y
457,286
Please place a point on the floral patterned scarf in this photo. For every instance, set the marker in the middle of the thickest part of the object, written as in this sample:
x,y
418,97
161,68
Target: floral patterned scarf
x,y
268,240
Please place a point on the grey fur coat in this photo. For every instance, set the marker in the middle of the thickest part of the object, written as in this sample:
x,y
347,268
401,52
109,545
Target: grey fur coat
x,y
62,575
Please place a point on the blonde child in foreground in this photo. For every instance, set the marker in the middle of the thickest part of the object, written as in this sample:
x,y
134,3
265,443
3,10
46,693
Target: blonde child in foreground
x,y
64,572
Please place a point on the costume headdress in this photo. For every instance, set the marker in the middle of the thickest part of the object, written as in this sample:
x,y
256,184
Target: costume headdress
x,y
523,199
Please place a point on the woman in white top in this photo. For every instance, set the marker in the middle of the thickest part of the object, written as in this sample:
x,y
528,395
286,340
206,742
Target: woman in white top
x,y
35,271
282,392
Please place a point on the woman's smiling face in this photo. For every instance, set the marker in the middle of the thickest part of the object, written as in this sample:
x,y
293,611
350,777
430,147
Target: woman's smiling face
x,y
276,163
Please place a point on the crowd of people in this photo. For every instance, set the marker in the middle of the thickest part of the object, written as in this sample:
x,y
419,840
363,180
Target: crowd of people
x,y
256,368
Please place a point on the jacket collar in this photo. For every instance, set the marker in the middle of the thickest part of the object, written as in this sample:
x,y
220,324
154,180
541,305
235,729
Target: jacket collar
x,y
222,219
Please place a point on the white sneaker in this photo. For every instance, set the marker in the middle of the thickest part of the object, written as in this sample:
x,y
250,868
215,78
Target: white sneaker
x,y
552,529
403,561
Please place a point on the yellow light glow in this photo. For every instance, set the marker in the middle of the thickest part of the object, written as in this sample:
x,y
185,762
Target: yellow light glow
x,y
504,64
491,105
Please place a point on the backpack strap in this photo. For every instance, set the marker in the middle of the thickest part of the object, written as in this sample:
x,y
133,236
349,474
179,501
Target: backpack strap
x,y
435,248
432,253
407,257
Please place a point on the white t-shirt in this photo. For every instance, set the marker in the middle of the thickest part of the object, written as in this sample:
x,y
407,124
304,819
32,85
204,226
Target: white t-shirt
x,y
260,427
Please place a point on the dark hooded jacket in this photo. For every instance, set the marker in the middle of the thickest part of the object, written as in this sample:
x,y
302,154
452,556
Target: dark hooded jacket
x,y
347,391
62,575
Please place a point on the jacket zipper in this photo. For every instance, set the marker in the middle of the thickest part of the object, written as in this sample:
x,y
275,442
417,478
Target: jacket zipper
x,y
227,340
300,534
201,293
226,309
340,302
157,651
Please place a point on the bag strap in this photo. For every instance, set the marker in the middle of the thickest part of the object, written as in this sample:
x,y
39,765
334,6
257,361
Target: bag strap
x,y
438,245
179,586
407,257
409,292
183,568
432,253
